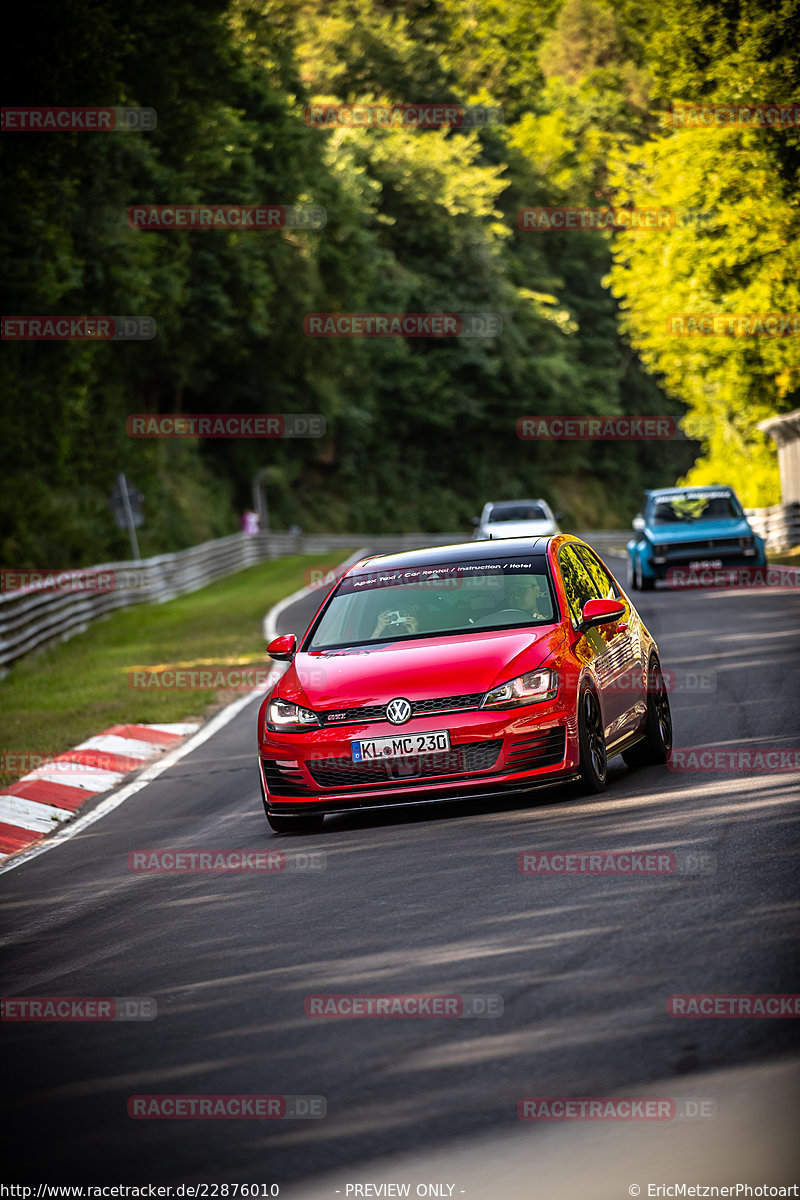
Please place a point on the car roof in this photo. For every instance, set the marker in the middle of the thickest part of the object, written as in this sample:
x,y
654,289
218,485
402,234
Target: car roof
x,y
677,491
535,547
512,503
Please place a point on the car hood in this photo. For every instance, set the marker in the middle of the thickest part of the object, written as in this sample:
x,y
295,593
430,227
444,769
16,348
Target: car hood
x,y
512,529
697,531
417,670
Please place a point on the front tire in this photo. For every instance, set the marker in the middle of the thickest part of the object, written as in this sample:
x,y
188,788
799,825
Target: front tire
x,y
642,582
631,576
592,743
310,824
657,745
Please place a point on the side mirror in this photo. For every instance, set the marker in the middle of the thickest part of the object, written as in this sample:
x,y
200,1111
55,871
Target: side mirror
x,y
600,612
638,522
283,648
558,516
474,520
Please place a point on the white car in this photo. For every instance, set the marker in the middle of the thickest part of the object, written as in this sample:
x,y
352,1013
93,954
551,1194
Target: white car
x,y
515,518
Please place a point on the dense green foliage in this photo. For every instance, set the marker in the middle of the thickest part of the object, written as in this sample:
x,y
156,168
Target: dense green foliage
x,y
420,431
739,250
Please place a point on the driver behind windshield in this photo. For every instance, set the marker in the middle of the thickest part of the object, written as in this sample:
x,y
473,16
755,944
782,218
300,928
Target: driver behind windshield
x,y
530,594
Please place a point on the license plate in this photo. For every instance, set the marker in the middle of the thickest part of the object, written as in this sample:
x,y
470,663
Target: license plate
x,y
401,746
705,564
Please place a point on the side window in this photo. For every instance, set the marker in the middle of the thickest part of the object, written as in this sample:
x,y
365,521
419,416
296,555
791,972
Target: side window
x,y
578,583
600,577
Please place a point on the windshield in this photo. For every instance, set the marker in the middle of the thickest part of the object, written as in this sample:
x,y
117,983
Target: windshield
x,y
401,605
518,512
695,506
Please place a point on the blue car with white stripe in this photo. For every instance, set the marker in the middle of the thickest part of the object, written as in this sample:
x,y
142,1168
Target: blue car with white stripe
x,y
691,528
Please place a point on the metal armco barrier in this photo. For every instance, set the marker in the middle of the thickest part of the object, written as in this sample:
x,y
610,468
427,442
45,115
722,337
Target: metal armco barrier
x,y
31,618
779,526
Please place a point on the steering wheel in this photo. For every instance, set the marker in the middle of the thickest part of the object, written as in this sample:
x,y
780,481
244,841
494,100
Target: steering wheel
x,y
503,614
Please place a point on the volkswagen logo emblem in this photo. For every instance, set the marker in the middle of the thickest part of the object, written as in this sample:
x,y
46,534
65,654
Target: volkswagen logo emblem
x,y
398,711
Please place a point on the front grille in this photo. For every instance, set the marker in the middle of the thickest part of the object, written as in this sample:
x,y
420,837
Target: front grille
x,y
677,552
370,712
419,708
446,703
283,780
460,760
542,749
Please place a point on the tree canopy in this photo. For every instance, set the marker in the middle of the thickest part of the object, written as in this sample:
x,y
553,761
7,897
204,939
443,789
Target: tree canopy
x,y
420,431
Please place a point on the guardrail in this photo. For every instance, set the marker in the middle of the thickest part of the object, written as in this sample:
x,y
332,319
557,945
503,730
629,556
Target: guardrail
x,y
779,526
34,616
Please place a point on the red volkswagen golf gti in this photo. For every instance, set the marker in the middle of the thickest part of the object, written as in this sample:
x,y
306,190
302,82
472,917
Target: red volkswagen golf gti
x,y
460,672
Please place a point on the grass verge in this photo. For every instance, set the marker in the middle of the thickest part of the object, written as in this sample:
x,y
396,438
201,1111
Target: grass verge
x,y
789,558
65,693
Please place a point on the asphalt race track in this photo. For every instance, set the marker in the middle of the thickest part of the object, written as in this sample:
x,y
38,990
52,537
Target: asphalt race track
x,y
418,902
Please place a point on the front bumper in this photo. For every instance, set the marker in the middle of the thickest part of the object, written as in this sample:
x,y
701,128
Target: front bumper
x,y
420,795
491,753
658,561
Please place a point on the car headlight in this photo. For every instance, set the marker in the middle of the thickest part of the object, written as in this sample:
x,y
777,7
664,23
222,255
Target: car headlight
x,y
530,688
283,715
748,545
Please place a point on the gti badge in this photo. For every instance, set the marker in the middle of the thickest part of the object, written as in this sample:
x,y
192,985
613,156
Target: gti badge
x,y
398,711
